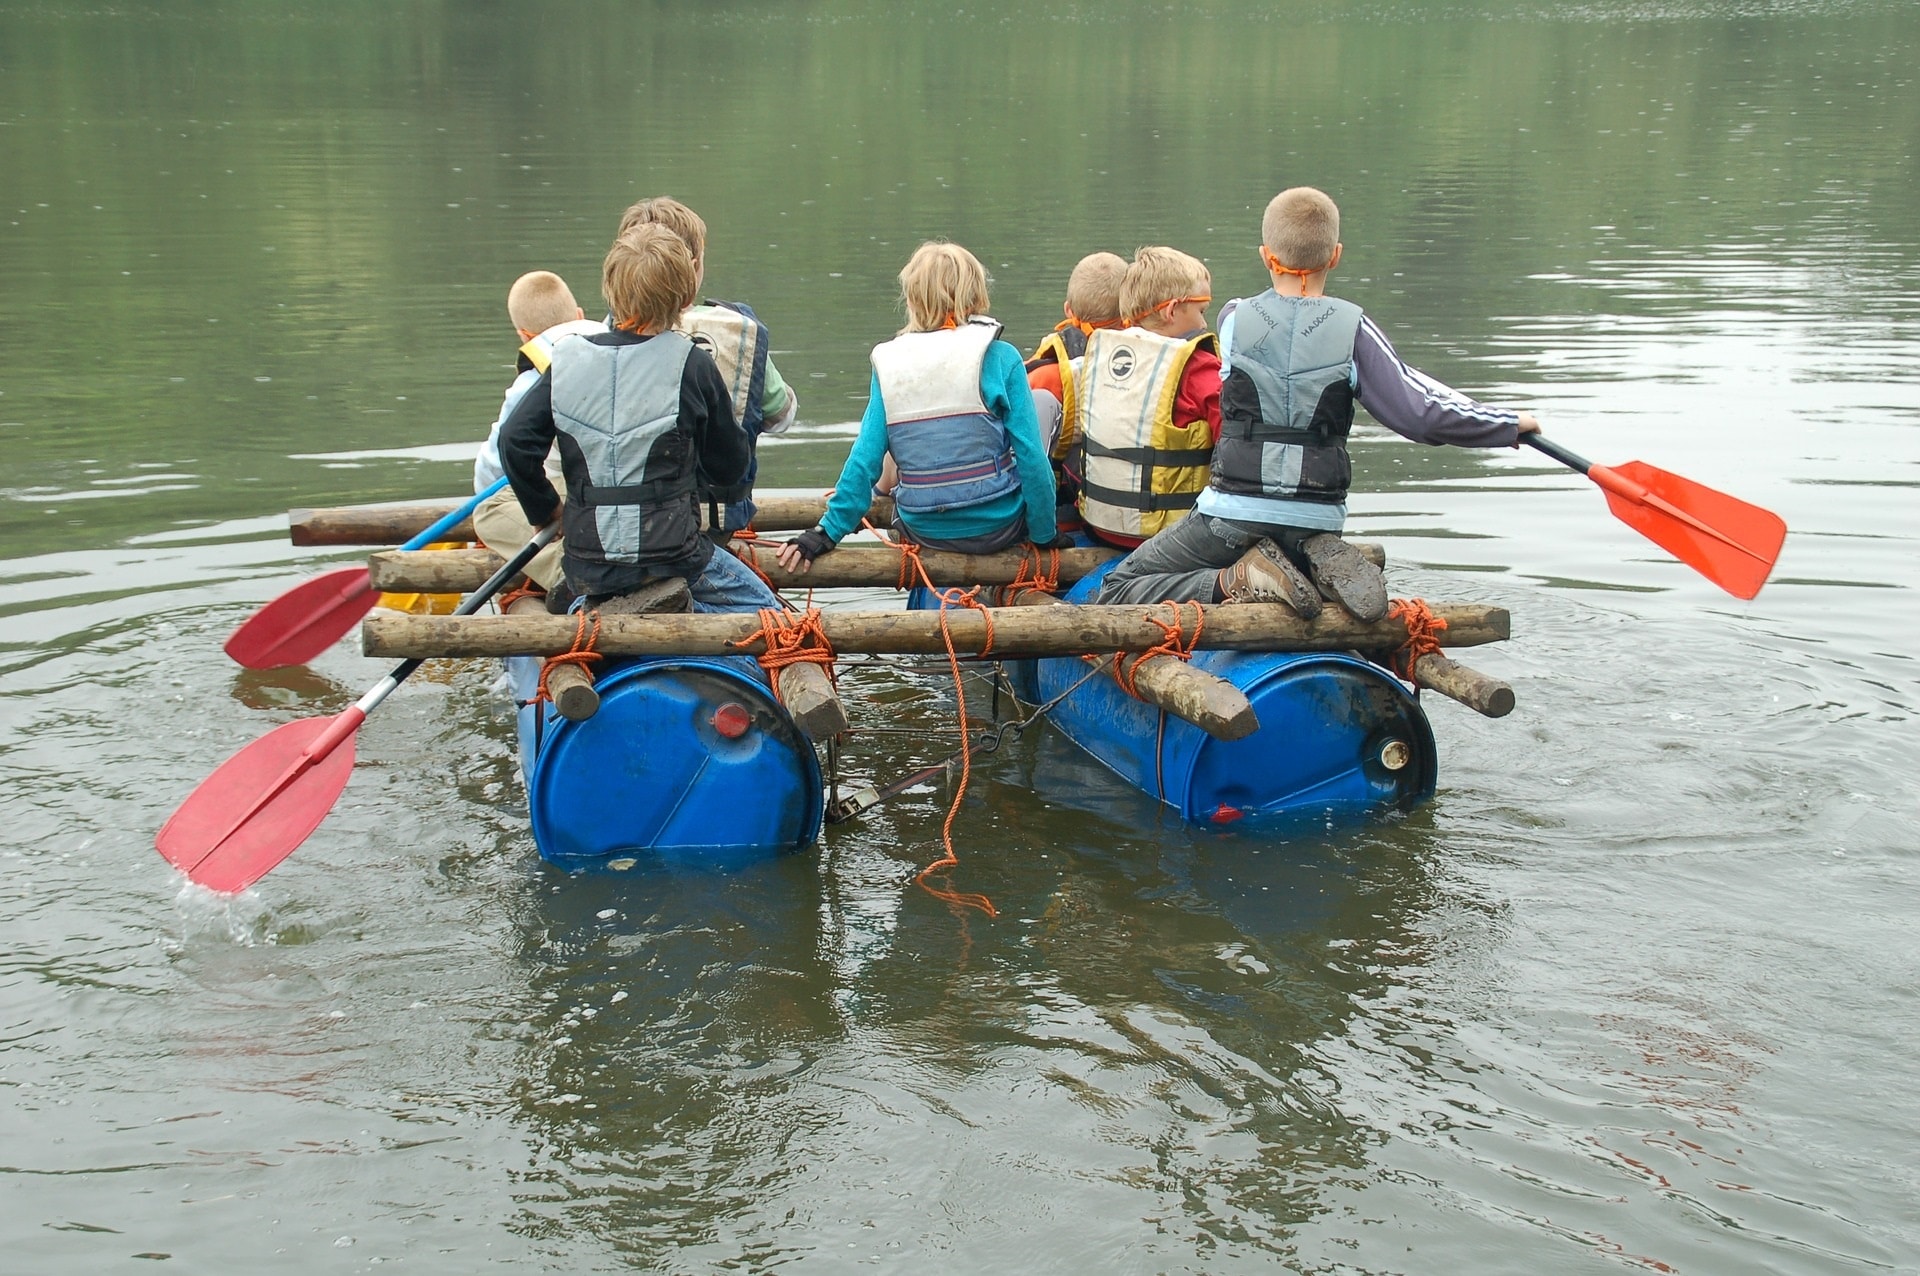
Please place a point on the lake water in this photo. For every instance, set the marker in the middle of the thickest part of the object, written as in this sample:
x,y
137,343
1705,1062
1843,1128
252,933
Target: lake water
x,y
1640,988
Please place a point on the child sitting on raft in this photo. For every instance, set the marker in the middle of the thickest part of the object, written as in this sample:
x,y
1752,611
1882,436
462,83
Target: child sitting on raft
x,y
1093,303
642,418
949,404
1146,402
1295,363
543,312
763,402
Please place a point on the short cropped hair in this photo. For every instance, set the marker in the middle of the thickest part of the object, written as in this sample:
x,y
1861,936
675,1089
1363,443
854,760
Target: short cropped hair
x,y
942,281
1301,228
1093,289
648,278
1159,275
664,210
540,299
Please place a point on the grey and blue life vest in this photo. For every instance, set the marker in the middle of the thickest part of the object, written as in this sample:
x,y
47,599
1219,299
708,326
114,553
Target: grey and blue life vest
x,y
1286,407
619,405
737,340
953,453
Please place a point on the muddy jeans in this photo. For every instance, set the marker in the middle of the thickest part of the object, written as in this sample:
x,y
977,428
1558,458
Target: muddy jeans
x,y
1183,563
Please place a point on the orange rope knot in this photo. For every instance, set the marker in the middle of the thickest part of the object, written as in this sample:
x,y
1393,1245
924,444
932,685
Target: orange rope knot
x,y
526,589
581,655
1423,635
1030,579
790,639
1174,642
744,552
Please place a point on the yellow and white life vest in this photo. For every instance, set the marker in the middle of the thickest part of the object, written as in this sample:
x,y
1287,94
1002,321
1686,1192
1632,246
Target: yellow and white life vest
x,y
1140,471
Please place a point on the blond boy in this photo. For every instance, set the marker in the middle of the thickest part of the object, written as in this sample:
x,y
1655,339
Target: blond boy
x,y
1295,363
763,402
1145,402
641,418
543,313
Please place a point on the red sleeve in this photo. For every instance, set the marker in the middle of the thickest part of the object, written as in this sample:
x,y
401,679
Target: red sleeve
x,y
1047,377
1198,398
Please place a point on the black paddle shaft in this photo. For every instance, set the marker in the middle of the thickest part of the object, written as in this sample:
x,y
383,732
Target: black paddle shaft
x,y
478,598
1572,460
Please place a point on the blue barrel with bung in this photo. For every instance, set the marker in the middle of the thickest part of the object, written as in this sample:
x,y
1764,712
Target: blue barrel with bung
x,y
689,760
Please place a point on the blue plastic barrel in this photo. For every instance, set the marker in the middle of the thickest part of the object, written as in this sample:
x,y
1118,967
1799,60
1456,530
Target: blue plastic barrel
x,y
689,760
1339,736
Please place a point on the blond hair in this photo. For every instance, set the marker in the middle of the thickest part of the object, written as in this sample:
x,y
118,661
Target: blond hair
x,y
648,279
1093,289
1301,228
664,210
942,282
540,299
1159,275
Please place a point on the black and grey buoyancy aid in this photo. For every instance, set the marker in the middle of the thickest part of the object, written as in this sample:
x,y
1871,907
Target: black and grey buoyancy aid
x,y
952,452
1286,402
620,406
737,340
1062,345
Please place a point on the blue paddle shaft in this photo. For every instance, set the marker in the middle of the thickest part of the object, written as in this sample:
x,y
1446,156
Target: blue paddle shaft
x,y
454,519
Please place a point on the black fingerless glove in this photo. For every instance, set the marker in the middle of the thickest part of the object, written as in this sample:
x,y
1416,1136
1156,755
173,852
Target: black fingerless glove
x,y
812,543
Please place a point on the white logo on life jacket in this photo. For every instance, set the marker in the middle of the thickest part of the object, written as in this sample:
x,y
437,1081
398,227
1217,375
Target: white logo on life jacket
x,y
1120,367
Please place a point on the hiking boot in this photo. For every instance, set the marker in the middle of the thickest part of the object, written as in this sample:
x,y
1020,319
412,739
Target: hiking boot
x,y
1264,574
1345,576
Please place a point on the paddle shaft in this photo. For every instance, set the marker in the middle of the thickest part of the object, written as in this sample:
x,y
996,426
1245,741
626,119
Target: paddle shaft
x,y
454,518
349,721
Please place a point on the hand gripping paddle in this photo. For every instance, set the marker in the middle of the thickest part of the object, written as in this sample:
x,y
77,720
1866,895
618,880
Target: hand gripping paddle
x,y
315,614
266,799
1731,543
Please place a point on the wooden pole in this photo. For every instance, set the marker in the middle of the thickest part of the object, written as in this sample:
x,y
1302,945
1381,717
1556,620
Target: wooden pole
x,y
454,571
1206,700
394,524
571,686
1018,631
1479,692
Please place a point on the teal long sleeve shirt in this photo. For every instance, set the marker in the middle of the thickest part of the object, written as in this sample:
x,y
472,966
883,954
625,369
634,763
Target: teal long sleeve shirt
x,y
1003,388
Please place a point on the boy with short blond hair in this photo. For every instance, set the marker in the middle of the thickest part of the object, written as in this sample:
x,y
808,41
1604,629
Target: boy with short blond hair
x,y
763,402
1267,527
543,312
1146,402
641,419
1092,303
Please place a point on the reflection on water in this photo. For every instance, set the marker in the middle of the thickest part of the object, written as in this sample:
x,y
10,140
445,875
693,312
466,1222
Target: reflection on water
x,y
1635,988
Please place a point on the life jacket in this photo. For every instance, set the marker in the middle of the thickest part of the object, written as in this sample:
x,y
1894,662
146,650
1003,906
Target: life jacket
x,y
1140,470
620,407
539,349
1286,403
737,340
952,452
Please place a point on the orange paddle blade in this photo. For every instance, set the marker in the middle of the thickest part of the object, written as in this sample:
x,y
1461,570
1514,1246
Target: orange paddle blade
x,y
1730,542
261,804
304,621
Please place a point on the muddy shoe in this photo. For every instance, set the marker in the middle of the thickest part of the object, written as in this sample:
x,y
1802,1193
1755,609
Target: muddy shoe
x,y
1344,575
1264,574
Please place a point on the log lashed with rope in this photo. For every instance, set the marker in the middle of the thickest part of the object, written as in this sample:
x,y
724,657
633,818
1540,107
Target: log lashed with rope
x,y
1018,631
849,566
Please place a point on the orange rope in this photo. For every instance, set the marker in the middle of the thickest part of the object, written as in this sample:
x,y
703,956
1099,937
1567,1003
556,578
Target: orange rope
x,y
1423,630
526,589
1173,642
582,653
790,640
1030,579
744,552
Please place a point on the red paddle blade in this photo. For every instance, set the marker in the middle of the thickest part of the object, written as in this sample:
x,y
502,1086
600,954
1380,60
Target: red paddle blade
x,y
304,621
259,806
1731,543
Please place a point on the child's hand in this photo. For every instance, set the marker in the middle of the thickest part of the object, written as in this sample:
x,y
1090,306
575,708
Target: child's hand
x,y
797,555
1529,424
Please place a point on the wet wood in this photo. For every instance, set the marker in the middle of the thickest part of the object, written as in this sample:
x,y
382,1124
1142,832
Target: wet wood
x,y
808,693
571,686
1206,700
396,524
1478,691
668,594
1018,631
848,567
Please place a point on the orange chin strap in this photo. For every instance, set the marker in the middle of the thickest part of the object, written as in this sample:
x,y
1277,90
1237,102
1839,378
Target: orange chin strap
x,y
1272,263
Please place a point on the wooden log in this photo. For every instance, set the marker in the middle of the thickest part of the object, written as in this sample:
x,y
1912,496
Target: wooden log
x,y
1478,691
571,686
807,692
394,524
1018,631
451,571
1206,700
